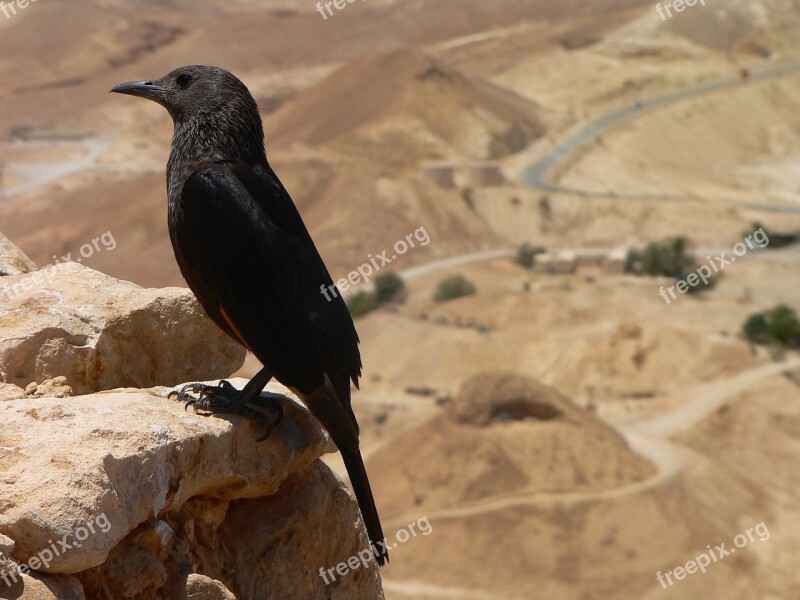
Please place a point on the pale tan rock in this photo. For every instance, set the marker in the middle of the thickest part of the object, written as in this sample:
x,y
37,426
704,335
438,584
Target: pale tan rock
x,y
6,545
55,388
102,333
139,490
9,391
200,587
13,261
100,466
39,586
267,548
9,570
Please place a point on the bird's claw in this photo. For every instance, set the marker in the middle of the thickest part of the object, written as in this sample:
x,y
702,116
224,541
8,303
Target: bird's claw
x,y
213,398
267,412
224,398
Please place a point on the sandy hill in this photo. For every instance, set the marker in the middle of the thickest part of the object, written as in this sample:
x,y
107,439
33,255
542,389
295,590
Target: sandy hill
x,y
406,106
577,502
503,433
93,44
741,25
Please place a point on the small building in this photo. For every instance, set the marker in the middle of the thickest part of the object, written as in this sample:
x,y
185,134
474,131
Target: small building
x,y
483,175
590,258
561,262
615,261
443,176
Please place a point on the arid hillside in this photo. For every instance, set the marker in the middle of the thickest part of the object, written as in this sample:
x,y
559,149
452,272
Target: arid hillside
x,y
568,432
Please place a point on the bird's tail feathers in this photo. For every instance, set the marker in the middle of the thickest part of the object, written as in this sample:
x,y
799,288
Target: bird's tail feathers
x,y
326,406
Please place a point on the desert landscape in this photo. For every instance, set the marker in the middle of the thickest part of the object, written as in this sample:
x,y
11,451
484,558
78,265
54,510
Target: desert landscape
x,y
568,426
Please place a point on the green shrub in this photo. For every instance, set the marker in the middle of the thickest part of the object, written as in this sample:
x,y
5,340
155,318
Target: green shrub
x,y
362,303
633,261
755,226
668,259
526,255
388,287
702,286
452,287
778,325
773,239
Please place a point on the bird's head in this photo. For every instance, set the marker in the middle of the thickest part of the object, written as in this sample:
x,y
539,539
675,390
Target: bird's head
x,y
207,104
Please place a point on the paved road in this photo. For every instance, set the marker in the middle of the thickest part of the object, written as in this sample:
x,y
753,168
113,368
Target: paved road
x,y
456,261
41,173
438,265
534,175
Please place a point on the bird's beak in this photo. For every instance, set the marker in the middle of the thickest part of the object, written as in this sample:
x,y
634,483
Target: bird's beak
x,y
143,89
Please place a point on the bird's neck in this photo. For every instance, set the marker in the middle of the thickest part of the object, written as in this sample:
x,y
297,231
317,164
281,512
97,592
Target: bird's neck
x,y
213,138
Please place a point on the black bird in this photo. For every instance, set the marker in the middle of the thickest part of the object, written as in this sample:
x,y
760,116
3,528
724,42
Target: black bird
x,y
246,254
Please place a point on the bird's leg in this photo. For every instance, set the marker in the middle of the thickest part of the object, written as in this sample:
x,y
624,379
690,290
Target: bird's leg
x,y
224,398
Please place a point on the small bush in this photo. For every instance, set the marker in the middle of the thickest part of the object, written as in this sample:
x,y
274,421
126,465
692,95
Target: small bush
x,y
526,255
769,239
755,226
362,303
702,286
453,287
633,261
668,259
388,287
779,326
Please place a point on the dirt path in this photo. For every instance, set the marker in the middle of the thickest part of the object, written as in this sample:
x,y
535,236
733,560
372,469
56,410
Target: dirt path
x,y
418,590
646,437
708,398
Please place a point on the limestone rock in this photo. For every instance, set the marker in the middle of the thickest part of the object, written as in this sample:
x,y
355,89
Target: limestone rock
x,y
101,333
38,586
13,261
141,491
267,548
56,388
9,391
200,587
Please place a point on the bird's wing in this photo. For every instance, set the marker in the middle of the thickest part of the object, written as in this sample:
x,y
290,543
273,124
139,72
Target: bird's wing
x,y
244,250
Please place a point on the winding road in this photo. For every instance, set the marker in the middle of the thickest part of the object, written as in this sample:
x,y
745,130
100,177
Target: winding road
x,y
41,173
534,175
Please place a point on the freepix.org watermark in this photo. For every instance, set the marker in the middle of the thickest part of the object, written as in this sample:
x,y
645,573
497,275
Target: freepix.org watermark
x,y
9,9
702,561
375,264
665,12
704,272
367,555
326,8
28,282
69,541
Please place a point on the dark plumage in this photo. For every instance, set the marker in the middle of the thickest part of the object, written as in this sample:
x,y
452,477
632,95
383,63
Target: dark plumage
x,y
247,255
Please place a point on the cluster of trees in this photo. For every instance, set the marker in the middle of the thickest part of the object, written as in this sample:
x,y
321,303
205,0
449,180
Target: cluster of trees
x,y
526,254
666,259
390,288
778,326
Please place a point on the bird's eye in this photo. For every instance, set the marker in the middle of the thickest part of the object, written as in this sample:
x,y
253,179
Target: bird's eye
x,y
184,80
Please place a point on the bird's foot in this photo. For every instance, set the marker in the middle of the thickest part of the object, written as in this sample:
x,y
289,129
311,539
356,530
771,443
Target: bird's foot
x,y
224,398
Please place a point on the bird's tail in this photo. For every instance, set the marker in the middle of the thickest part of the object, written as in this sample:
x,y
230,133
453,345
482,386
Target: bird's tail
x,y
369,512
325,405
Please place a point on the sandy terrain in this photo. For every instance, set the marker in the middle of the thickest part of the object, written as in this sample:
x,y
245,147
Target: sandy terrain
x,y
675,433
